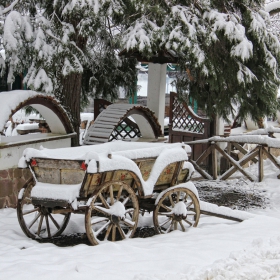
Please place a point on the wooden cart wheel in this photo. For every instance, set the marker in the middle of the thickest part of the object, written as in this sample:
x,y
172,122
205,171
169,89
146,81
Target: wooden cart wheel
x,y
178,209
39,221
112,214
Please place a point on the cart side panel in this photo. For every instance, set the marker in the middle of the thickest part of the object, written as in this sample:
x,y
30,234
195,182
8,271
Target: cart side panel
x,y
94,181
166,175
55,171
183,175
145,165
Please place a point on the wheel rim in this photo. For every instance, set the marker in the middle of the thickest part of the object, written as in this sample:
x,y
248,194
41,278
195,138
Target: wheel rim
x,y
39,221
178,209
112,214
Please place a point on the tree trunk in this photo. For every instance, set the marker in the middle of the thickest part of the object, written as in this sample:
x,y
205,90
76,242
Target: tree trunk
x,y
71,91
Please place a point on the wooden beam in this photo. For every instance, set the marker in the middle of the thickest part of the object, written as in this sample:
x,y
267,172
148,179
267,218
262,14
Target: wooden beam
x,y
220,216
237,165
203,173
272,158
204,155
243,151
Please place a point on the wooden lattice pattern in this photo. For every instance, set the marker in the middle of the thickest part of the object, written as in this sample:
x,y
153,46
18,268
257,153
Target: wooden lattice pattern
x,y
183,120
126,129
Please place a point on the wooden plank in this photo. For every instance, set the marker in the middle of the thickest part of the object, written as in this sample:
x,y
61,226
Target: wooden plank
x,y
109,119
58,163
242,150
112,113
103,125
68,176
99,134
47,175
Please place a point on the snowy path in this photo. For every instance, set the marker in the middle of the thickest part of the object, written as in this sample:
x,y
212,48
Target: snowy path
x,y
216,249
173,256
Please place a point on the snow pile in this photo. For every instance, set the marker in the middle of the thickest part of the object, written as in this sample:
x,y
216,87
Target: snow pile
x,y
50,191
260,262
210,207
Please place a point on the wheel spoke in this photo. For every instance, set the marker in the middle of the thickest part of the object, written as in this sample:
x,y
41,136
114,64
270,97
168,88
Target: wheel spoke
x,y
182,226
125,201
120,192
31,211
34,220
114,233
111,194
98,220
175,225
129,210
178,196
128,222
101,210
108,232
188,222
189,204
171,200
40,225
104,201
166,214
54,221
169,228
121,231
165,222
166,207
101,229
48,226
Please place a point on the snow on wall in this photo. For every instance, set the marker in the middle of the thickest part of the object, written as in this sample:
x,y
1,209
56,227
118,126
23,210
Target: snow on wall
x,y
12,99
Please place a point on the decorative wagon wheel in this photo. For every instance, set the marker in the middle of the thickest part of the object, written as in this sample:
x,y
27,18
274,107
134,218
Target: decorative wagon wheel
x,y
112,214
178,208
39,221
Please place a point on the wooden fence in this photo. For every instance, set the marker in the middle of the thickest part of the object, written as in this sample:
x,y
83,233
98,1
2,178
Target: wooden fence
x,y
263,150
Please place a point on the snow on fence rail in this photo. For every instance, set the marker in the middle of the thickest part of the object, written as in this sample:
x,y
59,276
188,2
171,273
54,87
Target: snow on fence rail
x,y
262,151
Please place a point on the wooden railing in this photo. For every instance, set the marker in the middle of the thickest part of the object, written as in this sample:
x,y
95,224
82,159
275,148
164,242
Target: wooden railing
x,y
263,150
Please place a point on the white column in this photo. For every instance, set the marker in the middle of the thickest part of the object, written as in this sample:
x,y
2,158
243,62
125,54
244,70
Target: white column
x,y
156,91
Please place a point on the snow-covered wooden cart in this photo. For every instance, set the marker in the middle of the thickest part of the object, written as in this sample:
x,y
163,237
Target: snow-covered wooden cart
x,y
110,184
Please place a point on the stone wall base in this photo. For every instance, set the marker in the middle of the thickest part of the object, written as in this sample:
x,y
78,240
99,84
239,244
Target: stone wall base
x,y
11,181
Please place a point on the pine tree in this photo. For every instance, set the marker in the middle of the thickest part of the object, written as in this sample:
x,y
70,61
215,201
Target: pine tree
x,y
69,48
228,56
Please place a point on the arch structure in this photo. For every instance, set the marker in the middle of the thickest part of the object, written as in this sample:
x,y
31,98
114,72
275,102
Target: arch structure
x,y
273,8
119,121
47,105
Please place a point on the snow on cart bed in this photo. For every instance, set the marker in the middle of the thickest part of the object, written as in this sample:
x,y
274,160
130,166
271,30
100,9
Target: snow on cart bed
x,y
121,157
131,150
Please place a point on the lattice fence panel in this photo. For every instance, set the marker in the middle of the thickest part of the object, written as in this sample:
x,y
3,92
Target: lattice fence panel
x,y
127,129
183,120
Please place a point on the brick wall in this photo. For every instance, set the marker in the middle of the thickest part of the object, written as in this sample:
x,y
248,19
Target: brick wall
x,y
11,181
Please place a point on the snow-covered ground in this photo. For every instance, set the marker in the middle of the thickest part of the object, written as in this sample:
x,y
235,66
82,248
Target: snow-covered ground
x,y
216,249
